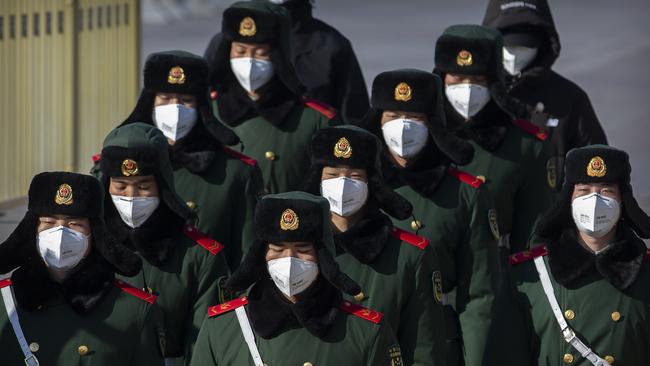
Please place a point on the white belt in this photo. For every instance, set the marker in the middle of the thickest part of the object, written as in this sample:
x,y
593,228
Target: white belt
x,y
246,329
10,307
568,333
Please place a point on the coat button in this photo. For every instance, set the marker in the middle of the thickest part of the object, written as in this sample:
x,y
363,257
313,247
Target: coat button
x,y
191,205
569,314
616,316
34,347
609,359
360,296
568,358
82,350
307,364
416,225
269,155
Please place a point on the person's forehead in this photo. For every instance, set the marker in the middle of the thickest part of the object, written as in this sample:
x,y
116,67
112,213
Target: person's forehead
x,y
62,217
299,244
142,178
343,168
596,185
177,95
251,45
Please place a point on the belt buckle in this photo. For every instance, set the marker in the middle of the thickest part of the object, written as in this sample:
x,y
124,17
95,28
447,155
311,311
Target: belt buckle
x,y
31,360
568,334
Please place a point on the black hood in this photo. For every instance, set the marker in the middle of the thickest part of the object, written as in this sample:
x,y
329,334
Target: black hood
x,y
529,16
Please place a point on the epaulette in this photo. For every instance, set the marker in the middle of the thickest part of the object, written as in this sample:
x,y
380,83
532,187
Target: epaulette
x,y
527,255
361,312
530,129
236,154
467,178
203,240
6,282
96,158
141,294
320,107
226,306
407,237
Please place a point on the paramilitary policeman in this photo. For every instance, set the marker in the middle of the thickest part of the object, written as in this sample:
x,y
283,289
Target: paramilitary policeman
x,y
62,304
581,296
294,313
530,47
451,207
145,214
324,60
220,184
510,152
392,266
258,94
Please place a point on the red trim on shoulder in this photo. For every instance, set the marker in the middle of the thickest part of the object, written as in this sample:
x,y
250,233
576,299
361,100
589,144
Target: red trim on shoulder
x,y
96,158
203,240
527,255
226,306
407,237
141,294
647,254
467,178
320,107
361,312
531,129
236,154
6,282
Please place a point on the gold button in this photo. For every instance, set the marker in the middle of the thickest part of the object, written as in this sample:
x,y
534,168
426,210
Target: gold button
x,y
569,314
616,316
481,178
360,296
191,205
416,225
609,359
82,350
568,358
269,155
34,347
307,364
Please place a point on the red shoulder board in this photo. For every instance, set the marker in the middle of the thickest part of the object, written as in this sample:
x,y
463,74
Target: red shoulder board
x,y
530,129
141,294
227,306
236,154
320,107
6,282
96,158
527,255
405,236
361,312
467,178
203,240
647,254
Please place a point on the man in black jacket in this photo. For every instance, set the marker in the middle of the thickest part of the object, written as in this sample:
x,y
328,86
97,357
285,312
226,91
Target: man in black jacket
x,y
531,46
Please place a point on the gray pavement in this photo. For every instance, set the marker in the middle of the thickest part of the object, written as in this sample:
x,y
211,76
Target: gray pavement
x,y
605,49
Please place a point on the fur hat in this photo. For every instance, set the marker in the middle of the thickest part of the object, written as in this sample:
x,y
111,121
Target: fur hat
x,y
185,73
71,194
359,149
291,217
594,164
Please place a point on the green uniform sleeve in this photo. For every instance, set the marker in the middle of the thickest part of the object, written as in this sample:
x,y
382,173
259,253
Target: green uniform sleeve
x,y
203,353
416,328
152,339
254,187
478,278
384,348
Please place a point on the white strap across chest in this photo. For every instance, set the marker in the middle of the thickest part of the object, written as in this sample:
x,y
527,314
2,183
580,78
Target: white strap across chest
x,y
568,333
10,307
246,329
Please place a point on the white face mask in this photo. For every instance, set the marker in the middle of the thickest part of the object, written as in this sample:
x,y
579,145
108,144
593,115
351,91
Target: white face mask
x,y
345,195
292,275
134,211
405,137
595,214
174,120
251,73
62,248
517,58
467,99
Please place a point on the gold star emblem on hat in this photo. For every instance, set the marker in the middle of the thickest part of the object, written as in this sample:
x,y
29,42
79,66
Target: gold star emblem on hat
x,y
176,75
342,148
247,27
596,167
403,92
129,168
464,58
289,220
64,195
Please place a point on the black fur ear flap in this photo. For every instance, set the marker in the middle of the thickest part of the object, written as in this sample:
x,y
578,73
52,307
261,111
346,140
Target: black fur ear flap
x,y
124,261
172,203
218,130
388,200
514,107
456,149
333,274
312,182
557,218
634,216
20,245
251,269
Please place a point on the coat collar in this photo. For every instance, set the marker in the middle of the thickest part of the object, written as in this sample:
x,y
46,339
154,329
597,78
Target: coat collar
x,y
367,238
619,263
488,128
424,175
